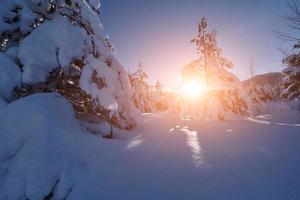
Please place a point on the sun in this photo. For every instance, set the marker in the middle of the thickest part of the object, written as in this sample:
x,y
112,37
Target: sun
x,y
193,89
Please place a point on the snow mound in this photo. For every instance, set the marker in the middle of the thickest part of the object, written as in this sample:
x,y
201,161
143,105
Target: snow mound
x,y
40,148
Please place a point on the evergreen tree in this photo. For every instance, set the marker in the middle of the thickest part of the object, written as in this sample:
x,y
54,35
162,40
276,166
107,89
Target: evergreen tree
x,y
251,69
224,92
158,86
161,98
59,46
207,47
141,90
291,79
291,74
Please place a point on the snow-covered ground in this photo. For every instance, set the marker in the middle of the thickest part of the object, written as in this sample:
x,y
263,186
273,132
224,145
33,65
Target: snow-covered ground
x,y
164,158
175,159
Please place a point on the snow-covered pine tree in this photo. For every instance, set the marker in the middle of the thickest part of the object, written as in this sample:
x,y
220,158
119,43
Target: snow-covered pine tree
x,y
207,47
141,96
158,86
291,74
291,78
225,93
59,46
161,98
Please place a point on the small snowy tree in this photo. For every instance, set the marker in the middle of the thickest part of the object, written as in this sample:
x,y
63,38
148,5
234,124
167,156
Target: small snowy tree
x,y
141,90
207,47
158,86
251,69
224,91
161,98
59,46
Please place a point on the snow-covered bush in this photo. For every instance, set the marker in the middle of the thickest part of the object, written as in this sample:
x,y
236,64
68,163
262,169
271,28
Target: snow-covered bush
x,y
141,96
59,46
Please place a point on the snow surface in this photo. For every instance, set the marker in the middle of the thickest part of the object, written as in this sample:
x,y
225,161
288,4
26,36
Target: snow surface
x,y
44,150
2,103
38,147
10,76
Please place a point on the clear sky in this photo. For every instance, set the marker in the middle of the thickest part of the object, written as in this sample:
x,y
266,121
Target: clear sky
x,y
158,33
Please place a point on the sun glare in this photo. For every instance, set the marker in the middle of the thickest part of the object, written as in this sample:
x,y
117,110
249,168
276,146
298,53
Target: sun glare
x,y
193,89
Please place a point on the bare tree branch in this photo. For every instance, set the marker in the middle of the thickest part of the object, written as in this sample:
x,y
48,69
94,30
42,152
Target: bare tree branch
x,y
293,22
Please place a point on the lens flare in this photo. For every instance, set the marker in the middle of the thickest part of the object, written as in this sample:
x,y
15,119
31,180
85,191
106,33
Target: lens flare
x,y
193,89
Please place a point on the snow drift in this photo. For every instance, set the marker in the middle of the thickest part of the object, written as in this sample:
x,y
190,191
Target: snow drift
x,y
40,148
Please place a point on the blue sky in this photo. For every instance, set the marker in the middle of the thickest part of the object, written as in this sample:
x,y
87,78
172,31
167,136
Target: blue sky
x,y
158,33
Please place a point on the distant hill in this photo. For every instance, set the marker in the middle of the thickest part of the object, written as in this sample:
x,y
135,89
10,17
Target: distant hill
x,y
266,87
270,79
